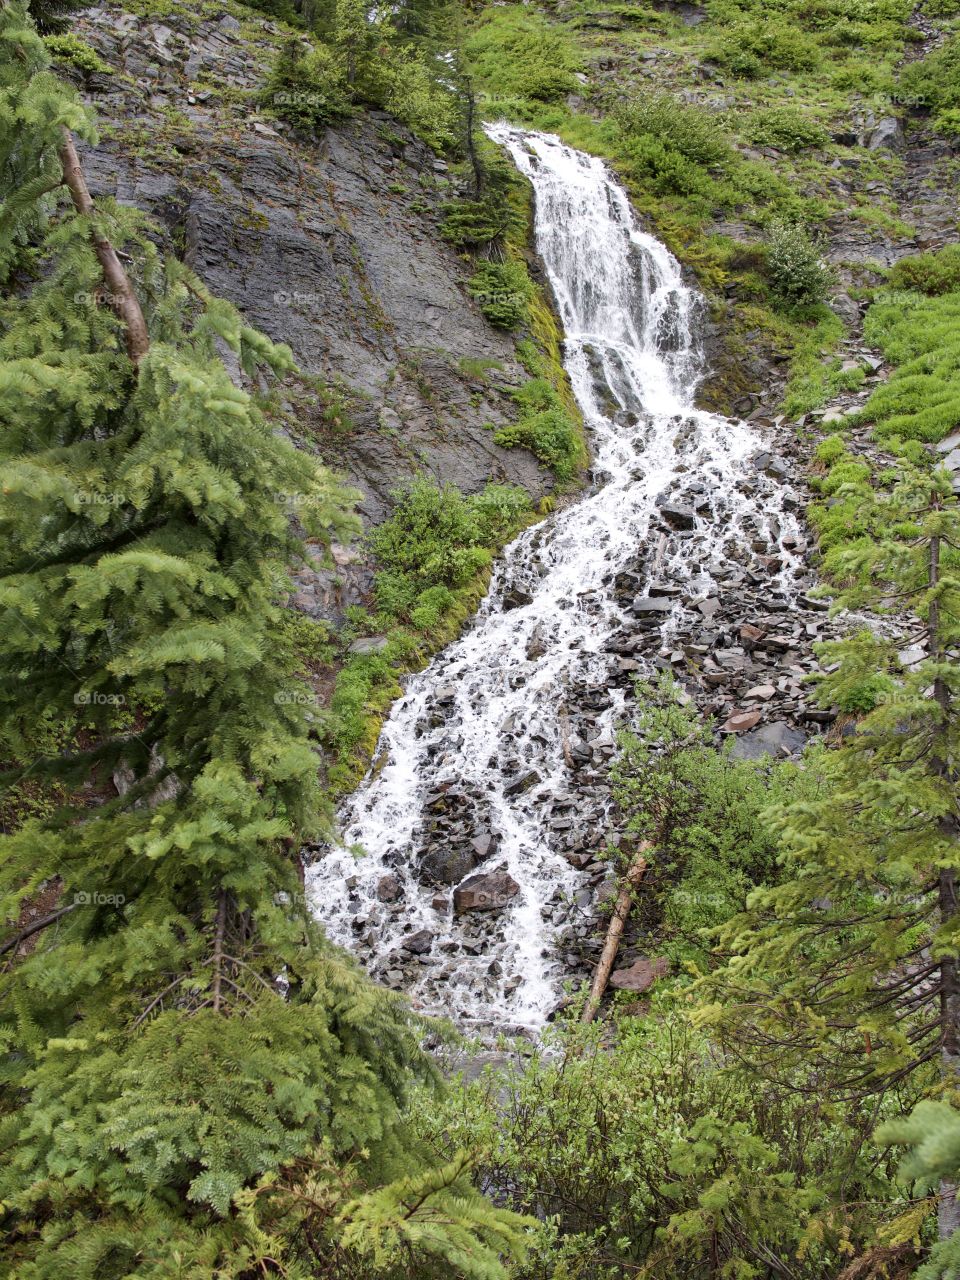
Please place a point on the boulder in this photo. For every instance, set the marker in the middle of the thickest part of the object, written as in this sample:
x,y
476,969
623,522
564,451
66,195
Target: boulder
x,y
641,975
419,943
388,888
489,892
776,739
887,136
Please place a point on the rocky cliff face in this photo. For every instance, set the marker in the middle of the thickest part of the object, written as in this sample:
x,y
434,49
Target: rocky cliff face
x,y
332,247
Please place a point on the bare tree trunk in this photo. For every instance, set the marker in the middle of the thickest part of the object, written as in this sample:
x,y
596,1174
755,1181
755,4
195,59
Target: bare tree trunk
x,y
122,297
618,920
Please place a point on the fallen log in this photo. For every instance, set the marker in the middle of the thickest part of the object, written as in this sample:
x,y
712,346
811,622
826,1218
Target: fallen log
x,y
621,909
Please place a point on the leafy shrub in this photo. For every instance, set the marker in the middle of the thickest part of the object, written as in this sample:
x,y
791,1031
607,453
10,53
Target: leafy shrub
x,y
643,1152
866,694
680,127
785,128
307,88
418,95
934,82
546,428
929,273
752,47
830,450
921,398
503,290
515,52
797,272
74,52
436,541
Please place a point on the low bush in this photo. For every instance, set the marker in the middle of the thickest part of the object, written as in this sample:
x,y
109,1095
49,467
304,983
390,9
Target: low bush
x,y
798,274
785,128
929,273
546,428
921,336
74,52
516,53
934,83
754,47
435,542
503,290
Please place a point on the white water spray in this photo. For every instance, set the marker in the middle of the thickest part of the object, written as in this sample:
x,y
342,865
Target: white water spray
x,y
487,719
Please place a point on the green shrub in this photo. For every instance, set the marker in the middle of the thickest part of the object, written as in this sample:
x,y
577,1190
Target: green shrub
x,y
307,88
785,128
921,336
687,130
798,274
929,273
474,224
546,428
438,538
516,53
418,95
74,52
830,450
934,82
751,48
503,290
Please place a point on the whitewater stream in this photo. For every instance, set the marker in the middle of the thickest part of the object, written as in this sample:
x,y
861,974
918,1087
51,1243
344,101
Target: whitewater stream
x,y
487,726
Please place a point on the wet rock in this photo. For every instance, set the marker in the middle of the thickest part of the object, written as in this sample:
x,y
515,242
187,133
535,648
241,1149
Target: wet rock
x,y
523,783
388,888
489,892
515,598
887,136
650,605
369,644
641,975
776,739
419,943
447,864
680,517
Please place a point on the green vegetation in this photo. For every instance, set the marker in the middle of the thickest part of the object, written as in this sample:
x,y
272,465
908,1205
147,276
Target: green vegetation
x,y
433,556
798,274
517,55
192,1082
503,290
76,53
546,427
921,336
935,83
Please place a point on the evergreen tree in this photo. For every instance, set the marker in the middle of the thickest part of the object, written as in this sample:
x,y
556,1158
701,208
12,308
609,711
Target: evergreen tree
x,y
191,1081
847,968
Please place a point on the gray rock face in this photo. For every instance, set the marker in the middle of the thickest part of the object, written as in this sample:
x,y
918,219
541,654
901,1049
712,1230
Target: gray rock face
x,y
887,136
332,246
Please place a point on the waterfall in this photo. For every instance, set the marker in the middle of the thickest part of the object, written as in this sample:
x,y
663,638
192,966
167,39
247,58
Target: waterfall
x,y
484,731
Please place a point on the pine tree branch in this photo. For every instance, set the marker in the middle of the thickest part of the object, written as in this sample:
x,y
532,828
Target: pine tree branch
x,y
123,299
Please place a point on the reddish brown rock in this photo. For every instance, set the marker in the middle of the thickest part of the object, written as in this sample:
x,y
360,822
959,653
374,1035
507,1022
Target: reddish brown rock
x,y
641,975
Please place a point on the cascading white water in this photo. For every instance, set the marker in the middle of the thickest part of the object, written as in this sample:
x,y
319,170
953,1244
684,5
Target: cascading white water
x,y
488,718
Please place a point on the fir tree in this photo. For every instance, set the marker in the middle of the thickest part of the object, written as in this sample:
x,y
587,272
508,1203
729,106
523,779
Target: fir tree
x,y
191,1081
846,970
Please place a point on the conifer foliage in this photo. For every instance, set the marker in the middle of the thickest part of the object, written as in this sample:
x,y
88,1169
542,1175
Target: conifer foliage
x,y
192,1083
